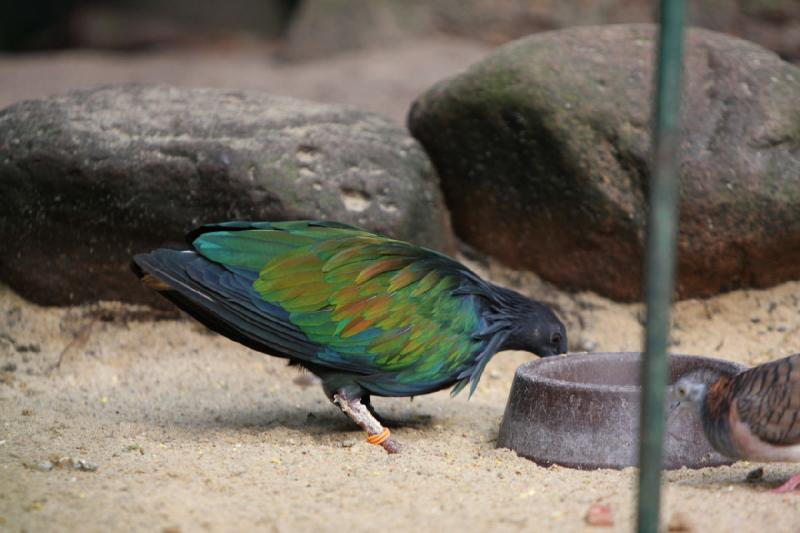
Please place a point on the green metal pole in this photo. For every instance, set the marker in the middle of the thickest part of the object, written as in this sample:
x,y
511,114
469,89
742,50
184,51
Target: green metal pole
x,y
660,260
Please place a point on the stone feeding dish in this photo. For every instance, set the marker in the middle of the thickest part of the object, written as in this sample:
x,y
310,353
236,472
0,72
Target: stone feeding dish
x,y
582,411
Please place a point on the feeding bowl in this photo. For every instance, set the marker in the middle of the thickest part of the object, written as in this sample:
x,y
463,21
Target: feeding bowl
x,y
582,411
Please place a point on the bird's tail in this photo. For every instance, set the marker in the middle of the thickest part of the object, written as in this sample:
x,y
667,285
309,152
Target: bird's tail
x,y
165,270
221,299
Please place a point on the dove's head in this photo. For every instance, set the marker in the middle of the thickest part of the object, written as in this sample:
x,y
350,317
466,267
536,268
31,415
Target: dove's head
x,y
691,389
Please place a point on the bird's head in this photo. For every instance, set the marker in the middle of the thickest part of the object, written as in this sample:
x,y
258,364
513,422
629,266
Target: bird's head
x,y
534,328
691,390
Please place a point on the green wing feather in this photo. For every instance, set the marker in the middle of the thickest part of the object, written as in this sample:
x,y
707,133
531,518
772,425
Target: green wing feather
x,y
381,307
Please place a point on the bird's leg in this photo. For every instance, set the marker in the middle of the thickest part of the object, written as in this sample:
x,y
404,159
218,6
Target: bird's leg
x,y
382,419
358,413
789,486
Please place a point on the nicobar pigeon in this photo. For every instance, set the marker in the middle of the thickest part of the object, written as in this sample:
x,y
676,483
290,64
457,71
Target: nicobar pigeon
x,y
368,314
754,415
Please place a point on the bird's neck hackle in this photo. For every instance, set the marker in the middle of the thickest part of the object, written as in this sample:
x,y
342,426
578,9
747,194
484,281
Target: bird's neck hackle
x,y
716,407
496,324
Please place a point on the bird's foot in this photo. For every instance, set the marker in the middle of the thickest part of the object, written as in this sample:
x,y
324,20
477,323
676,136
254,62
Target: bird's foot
x,y
789,486
358,413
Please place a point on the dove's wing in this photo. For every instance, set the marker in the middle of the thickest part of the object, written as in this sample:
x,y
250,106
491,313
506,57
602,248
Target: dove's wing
x,y
768,400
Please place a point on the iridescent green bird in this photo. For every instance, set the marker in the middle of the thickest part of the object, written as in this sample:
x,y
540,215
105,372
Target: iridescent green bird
x,y
368,314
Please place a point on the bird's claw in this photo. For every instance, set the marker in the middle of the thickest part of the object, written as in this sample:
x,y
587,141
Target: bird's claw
x,y
391,446
789,486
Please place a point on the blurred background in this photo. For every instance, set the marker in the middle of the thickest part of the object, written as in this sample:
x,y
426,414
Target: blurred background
x,y
377,54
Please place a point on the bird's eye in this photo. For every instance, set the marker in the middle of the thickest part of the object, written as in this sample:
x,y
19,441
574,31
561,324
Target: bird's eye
x,y
555,338
681,392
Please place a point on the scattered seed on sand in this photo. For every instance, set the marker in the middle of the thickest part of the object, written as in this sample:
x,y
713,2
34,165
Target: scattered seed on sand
x,y
679,522
35,505
44,466
64,462
84,465
755,474
599,515
135,447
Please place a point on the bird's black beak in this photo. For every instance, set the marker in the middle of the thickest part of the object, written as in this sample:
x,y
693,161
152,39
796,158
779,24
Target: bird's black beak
x,y
551,352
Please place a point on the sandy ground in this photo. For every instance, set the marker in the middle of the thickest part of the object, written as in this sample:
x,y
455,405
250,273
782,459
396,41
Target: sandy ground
x,y
192,432
384,81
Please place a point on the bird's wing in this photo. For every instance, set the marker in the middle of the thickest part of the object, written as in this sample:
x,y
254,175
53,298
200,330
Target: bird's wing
x,y
223,300
768,400
341,297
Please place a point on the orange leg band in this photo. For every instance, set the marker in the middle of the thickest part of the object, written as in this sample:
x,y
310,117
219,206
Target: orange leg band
x,y
380,438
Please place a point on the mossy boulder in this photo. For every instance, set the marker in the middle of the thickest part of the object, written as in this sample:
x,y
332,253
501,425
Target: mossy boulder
x,y
92,177
543,154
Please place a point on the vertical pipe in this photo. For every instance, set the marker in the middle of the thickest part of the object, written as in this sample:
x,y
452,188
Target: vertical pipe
x,y
660,261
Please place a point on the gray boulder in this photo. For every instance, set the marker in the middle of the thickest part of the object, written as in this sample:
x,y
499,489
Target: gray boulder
x,y
90,178
543,153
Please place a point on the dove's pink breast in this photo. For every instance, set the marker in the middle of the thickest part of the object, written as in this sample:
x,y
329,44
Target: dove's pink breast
x,y
753,448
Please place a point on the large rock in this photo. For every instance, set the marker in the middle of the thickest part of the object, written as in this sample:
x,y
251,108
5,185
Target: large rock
x,y
542,150
90,178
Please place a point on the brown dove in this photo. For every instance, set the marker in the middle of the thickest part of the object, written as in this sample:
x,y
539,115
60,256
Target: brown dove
x,y
754,415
